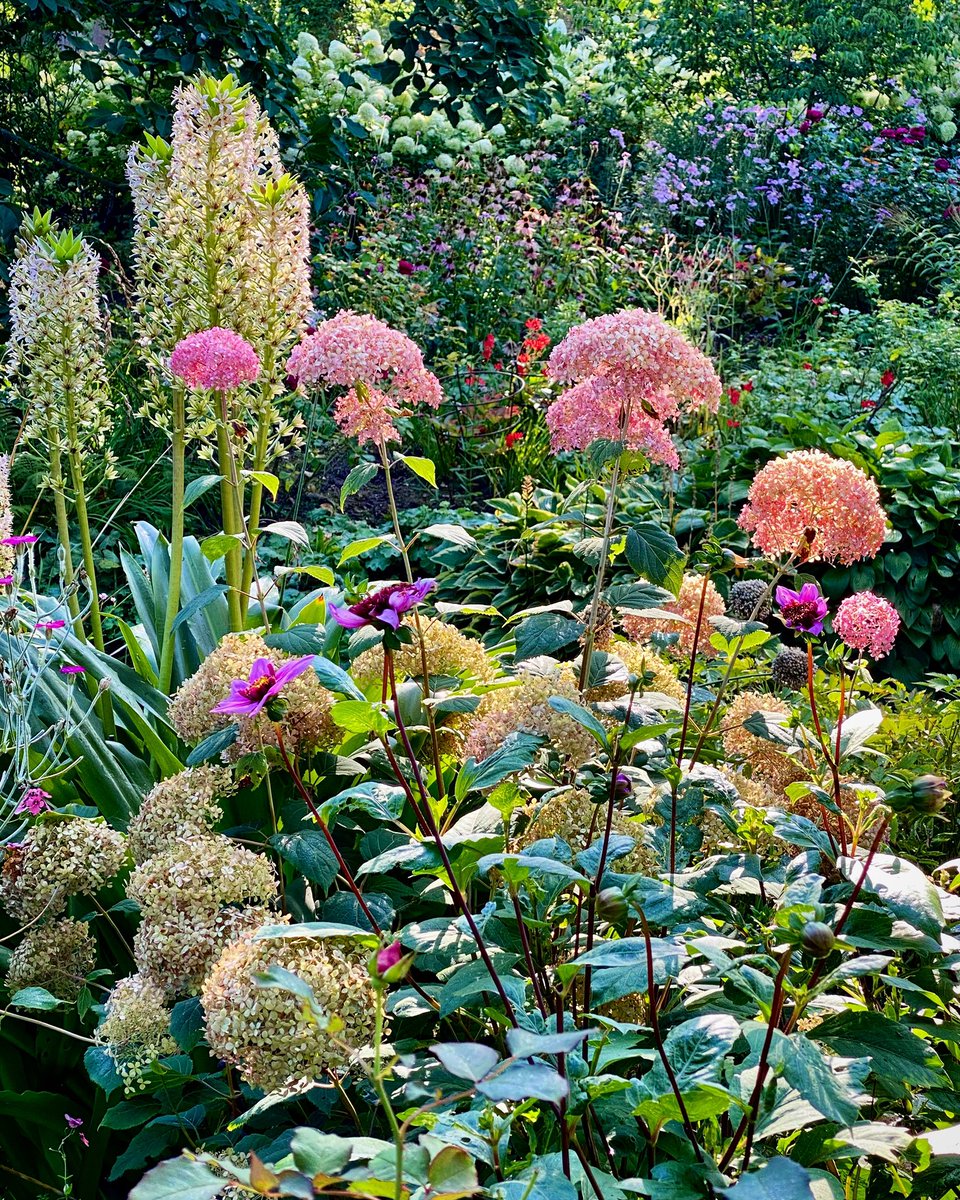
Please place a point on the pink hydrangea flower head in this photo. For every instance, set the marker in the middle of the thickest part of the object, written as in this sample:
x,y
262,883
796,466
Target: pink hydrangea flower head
x,y
816,507
868,623
629,361
248,696
215,359
380,368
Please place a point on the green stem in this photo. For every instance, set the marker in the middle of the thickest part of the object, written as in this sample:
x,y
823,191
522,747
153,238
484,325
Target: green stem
x,y
178,457
590,632
63,532
228,501
384,1098
256,504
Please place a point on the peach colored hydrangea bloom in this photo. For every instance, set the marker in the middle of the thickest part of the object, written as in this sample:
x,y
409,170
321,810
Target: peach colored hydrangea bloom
x,y
686,606
867,622
215,359
810,495
381,369
631,360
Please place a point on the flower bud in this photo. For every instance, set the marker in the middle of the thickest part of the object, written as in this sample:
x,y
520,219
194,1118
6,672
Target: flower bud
x,y
930,793
622,786
817,939
390,964
611,905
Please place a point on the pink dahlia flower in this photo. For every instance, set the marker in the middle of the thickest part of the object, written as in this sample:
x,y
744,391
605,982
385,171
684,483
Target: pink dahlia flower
x,y
628,361
868,623
381,369
216,359
816,507
384,608
248,696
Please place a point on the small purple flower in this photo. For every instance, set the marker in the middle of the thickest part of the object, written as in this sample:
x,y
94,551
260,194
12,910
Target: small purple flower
x,y
248,696
25,539
384,607
803,611
6,581
74,1123
50,626
71,669
34,802
388,957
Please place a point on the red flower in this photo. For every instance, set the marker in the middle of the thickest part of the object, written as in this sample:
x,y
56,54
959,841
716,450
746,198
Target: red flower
x,y
512,438
405,267
868,404
522,361
747,387
488,344
498,365
818,300
734,394
537,343
941,164
814,114
887,378
534,324
804,126
733,424
807,366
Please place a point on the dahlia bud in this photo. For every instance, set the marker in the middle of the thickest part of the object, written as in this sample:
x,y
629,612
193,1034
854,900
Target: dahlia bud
x,y
622,786
817,939
611,905
789,668
930,793
390,964
744,598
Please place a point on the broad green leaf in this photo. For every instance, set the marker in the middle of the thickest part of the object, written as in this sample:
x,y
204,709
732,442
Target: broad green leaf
x,y
582,716
362,545
323,574
425,468
267,480
317,1153
545,633
780,1179
35,997
358,478
218,545
335,678
857,730
196,488
197,604
466,1060
291,531
516,753
213,745
654,554
453,533
361,716
522,1080
308,851
452,1174
902,887
179,1179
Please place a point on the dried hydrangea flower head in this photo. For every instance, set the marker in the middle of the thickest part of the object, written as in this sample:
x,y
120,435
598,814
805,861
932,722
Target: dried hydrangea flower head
x,y
380,369
867,623
525,706
195,897
135,1030
816,507
57,341
572,816
306,723
642,661
203,875
686,606
177,809
215,359
59,858
265,1032
633,362
769,765
789,668
57,956
221,238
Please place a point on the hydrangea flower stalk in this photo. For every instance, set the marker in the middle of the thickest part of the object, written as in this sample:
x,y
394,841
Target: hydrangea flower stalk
x,y
630,374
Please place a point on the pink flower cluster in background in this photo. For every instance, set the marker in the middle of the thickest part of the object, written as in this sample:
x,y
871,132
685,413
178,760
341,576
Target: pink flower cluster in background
x,y
631,361
215,359
868,623
381,369
815,506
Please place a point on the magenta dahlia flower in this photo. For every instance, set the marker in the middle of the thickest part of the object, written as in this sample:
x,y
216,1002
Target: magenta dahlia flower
x,y
804,611
248,696
383,608
215,359
868,623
